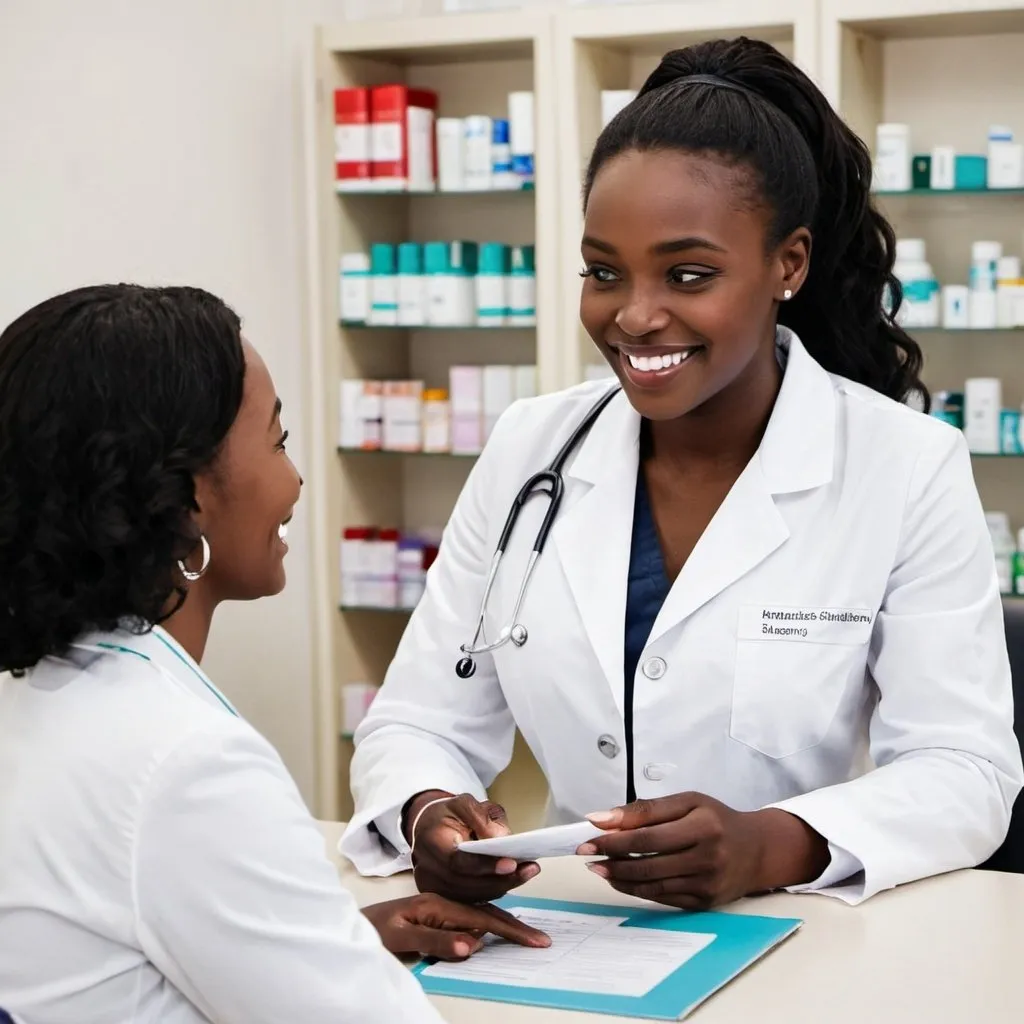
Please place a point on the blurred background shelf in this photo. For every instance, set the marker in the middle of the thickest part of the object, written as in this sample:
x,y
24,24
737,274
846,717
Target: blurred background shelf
x,y
472,62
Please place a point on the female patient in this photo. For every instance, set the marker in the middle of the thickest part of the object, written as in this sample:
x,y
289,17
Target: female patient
x,y
156,860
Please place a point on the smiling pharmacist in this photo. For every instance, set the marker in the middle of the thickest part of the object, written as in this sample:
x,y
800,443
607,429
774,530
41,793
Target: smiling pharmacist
x,y
763,570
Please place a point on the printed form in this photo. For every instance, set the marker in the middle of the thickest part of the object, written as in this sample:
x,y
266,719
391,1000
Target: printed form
x,y
588,953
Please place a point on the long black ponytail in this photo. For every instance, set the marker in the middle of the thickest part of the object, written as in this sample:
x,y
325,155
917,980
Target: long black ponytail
x,y
751,104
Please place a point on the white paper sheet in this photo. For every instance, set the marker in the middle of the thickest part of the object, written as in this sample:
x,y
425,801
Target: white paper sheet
x,y
588,953
558,841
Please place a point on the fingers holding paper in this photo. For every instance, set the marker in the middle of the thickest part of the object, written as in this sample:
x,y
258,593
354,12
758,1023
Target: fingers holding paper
x,y
440,867
687,850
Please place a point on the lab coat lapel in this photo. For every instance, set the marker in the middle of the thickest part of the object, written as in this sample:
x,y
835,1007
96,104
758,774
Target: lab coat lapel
x,y
796,454
592,537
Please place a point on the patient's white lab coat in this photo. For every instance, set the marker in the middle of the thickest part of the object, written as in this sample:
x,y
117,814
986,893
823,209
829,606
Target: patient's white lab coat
x,y
158,866
840,611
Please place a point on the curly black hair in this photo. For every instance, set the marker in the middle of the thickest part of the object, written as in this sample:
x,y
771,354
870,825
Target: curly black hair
x,y
112,398
811,171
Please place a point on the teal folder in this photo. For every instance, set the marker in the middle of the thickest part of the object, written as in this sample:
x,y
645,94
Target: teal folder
x,y
739,940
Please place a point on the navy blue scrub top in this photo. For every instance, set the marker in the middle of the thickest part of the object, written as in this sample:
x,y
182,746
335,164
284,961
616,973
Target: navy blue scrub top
x,y
646,589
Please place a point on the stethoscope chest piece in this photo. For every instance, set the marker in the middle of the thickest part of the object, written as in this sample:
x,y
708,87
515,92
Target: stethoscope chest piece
x,y
518,634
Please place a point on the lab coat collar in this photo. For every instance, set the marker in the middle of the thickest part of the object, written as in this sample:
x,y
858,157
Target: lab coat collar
x,y
796,454
170,659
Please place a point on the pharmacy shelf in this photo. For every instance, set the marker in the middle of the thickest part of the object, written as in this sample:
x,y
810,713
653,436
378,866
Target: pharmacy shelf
x,y
465,193
407,455
473,62
947,69
994,332
361,609
611,48
950,193
457,329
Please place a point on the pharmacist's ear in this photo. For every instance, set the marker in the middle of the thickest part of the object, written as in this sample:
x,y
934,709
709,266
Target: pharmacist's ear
x,y
793,260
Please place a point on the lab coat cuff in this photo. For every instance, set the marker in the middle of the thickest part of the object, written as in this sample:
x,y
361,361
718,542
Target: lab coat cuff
x,y
382,850
843,879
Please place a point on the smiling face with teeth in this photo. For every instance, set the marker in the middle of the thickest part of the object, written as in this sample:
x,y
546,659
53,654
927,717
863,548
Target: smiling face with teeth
x,y
680,292
247,497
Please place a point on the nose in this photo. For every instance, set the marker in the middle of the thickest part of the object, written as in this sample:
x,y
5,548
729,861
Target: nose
x,y
642,313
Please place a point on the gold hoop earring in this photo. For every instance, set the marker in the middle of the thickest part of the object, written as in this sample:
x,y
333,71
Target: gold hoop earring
x,y
193,575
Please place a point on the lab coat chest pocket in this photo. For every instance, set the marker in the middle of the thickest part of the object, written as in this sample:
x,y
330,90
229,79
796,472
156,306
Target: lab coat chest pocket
x,y
792,673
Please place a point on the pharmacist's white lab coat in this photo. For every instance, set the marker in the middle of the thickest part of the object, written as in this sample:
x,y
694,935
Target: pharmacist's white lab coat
x,y
854,507
157,863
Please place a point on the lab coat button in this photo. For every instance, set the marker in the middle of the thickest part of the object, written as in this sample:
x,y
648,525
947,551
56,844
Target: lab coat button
x,y
657,772
655,668
607,745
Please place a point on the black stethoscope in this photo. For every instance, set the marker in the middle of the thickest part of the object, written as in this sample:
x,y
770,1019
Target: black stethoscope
x,y
549,482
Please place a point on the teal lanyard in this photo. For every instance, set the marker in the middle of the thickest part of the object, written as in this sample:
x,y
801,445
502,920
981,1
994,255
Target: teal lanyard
x,y
199,675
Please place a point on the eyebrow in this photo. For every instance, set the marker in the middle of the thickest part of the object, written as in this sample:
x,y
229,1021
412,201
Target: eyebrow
x,y
276,412
662,248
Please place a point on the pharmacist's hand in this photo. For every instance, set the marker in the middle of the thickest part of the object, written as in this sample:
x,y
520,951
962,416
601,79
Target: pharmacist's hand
x,y
440,867
432,926
693,852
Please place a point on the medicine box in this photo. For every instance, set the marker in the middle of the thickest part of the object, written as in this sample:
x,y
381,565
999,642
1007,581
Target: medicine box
x,y
402,146
466,394
403,415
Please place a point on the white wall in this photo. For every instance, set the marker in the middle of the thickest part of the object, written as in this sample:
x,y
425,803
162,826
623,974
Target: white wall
x,y
160,141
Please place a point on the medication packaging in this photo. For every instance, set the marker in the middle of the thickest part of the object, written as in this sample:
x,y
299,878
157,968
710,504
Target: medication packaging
x,y
437,434
403,415
450,154
943,169
955,299
499,394
892,158
492,285
362,414
920,306
411,572
466,391
412,286
402,146
450,268
503,177
985,258
354,288
522,287
1008,291
1005,159
520,116
352,140
383,285
355,564
477,153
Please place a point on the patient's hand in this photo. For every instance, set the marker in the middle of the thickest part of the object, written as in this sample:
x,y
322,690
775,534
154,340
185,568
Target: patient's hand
x,y
433,926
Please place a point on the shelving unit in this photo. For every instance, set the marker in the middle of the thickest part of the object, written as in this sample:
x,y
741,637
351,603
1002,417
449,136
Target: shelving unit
x,y
949,69
472,62
612,48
